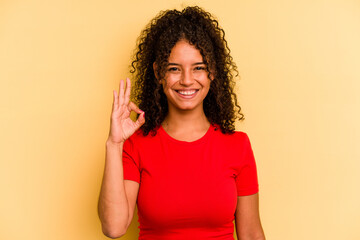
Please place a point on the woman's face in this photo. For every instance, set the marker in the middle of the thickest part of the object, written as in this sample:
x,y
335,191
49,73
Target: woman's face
x,y
186,82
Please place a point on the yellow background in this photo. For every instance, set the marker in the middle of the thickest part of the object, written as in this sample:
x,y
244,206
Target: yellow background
x,y
299,63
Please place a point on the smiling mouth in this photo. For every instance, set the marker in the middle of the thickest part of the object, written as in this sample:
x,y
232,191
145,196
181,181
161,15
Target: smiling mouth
x,y
187,92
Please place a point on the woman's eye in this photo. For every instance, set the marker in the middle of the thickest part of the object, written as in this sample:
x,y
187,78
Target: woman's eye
x,y
173,69
199,68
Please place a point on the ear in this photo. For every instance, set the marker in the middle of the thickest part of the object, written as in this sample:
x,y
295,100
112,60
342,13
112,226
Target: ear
x,y
155,67
212,75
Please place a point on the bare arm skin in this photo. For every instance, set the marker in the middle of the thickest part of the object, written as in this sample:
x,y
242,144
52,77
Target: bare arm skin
x,y
247,218
118,196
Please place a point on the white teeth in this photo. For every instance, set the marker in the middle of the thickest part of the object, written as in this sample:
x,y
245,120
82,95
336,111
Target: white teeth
x,y
187,92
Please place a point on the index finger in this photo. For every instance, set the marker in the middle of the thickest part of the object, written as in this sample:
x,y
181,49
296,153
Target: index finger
x,y
127,91
121,92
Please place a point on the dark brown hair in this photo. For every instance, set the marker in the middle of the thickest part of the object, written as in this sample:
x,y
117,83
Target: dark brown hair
x,y
200,29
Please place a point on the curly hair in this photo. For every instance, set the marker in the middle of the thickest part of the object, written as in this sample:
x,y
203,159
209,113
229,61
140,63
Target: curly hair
x,y
201,30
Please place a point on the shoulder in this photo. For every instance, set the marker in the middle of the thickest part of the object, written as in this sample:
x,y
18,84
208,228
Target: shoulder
x,y
136,144
237,137
139,139
234,146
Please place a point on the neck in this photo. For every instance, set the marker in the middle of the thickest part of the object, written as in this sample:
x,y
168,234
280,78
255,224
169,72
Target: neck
x,y
186,125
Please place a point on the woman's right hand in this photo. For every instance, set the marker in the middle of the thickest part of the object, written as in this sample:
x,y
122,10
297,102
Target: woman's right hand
x,y
121,126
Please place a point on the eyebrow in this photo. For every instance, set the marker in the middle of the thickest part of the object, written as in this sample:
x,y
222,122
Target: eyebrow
x,y
176,64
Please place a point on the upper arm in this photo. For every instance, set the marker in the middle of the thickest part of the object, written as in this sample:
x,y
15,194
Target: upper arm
x,y
247,218
132,190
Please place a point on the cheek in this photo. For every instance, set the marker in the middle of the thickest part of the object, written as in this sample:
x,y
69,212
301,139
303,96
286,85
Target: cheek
x,y
164,84
199,74
166,87
205,82
203,78
169,81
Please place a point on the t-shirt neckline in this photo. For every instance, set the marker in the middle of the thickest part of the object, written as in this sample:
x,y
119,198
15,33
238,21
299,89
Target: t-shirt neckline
x,y
200,140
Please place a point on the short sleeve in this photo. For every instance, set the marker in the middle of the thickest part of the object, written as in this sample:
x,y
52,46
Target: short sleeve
x,y
246,180
130,162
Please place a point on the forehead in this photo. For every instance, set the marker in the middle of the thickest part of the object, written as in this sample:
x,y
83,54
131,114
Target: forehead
x,y
184,52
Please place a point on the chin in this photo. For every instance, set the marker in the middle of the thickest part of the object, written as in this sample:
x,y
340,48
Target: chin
x,y
187,107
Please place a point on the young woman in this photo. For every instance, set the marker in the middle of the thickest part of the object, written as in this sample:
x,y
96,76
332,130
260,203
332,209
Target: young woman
x,y
181,161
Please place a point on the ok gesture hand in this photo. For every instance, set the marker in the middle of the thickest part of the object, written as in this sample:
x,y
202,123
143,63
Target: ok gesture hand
x,y
121,126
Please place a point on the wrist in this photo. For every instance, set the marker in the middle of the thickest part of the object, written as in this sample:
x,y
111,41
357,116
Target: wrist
x,y
110,143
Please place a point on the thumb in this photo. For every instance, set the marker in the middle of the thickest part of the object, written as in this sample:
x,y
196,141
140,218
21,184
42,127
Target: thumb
x,y
140,121
132,107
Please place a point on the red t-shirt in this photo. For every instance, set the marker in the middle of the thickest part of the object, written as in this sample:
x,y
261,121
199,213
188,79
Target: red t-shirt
x,y
188,190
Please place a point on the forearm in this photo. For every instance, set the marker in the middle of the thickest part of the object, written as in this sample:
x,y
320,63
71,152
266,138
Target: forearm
x,y
247,218
113,204
256,233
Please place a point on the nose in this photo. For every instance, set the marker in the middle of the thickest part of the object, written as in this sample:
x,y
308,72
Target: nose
x,y
187,78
